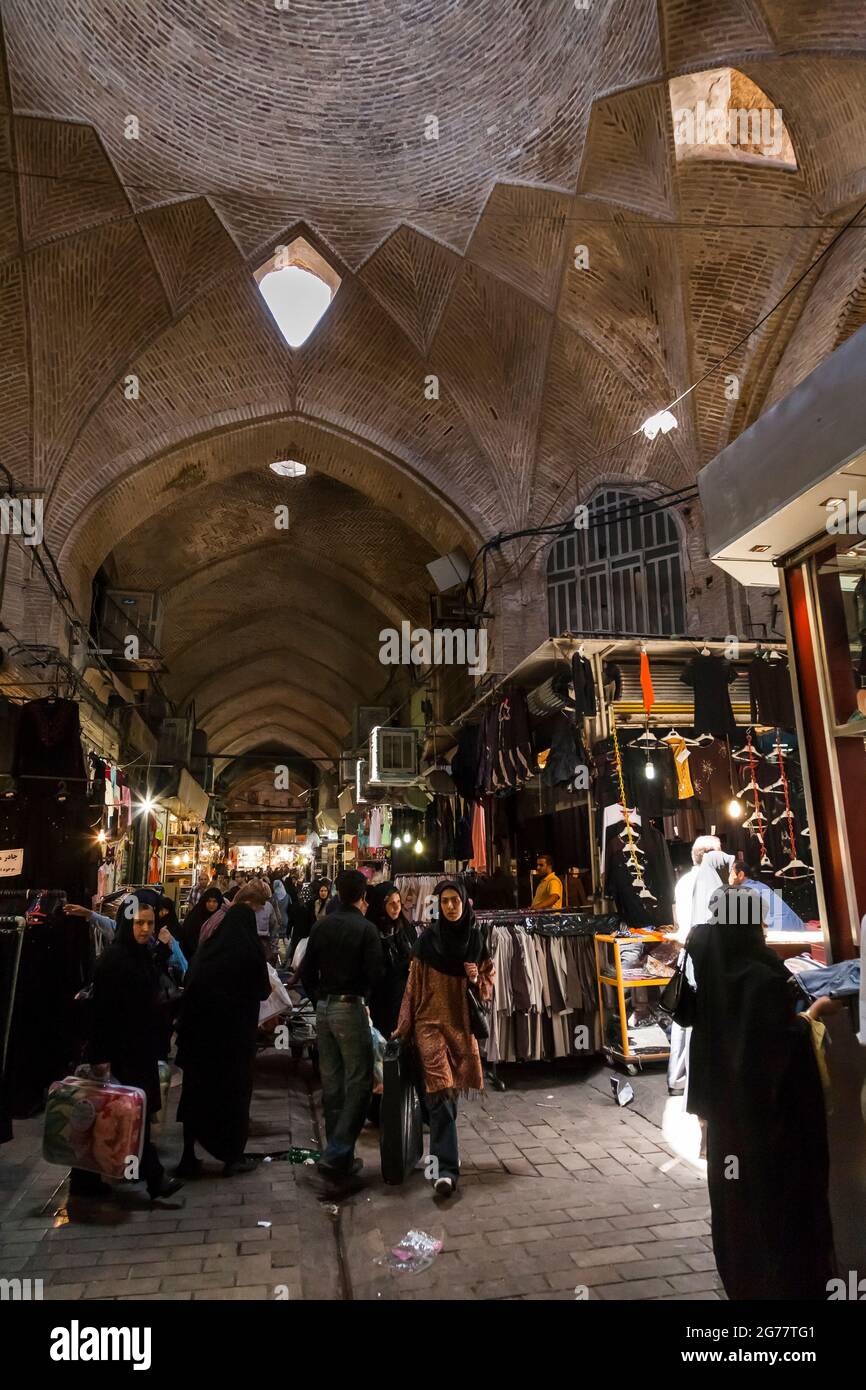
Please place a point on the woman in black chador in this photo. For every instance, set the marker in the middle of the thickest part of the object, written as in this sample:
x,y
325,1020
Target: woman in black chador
x,y
217,1032
754,1079
128,1025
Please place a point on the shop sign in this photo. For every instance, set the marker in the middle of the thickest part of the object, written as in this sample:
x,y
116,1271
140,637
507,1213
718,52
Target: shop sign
x,y
11,862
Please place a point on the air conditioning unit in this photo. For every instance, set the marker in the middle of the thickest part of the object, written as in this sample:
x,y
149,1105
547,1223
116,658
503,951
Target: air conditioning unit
x,y
327,821
347,768
175,741
366,718
132,613
450,610
393,756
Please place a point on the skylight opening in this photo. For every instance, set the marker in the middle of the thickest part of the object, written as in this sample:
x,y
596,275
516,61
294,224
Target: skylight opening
x,y
720,114
289,468
298,286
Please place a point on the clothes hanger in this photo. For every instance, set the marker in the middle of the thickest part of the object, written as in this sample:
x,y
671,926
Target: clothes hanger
x,y
705,651
704,738
774,656
675,735
797,865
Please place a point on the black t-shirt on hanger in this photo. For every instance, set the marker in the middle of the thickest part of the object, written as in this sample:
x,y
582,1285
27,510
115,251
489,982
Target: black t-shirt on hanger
x,y
709,677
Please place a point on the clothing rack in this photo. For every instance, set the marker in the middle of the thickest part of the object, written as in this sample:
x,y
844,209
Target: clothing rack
x,y
547,993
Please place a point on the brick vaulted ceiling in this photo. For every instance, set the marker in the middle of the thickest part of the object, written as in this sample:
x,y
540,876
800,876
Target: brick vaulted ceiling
x,y
124,257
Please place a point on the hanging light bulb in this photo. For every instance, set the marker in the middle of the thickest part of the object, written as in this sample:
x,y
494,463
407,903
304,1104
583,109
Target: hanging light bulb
x,y
102,837
419,846
735,808
650,771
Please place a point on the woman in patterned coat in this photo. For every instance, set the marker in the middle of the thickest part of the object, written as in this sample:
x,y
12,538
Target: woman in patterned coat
x,y
449,957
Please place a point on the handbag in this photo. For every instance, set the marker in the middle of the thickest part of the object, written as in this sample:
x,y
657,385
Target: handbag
x,y
478,1025
678,996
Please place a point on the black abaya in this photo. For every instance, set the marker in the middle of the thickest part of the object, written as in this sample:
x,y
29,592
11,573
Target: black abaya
x,y
398,938
754,1078
217,1035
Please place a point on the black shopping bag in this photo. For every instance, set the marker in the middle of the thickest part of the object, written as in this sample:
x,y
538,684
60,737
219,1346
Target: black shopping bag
x,y
401,1141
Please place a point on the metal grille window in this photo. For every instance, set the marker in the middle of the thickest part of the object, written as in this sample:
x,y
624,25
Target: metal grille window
x,y
624,574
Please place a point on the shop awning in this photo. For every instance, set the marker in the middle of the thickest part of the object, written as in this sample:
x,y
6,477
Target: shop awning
x,y
764,496
184,797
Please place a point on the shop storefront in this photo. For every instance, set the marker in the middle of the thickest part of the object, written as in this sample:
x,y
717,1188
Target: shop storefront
x,y
799,527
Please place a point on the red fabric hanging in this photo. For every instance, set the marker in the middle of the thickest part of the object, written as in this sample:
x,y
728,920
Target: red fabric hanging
x,y
646,683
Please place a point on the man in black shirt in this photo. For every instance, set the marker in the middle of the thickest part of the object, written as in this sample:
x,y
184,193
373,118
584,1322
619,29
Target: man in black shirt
x,y
342,965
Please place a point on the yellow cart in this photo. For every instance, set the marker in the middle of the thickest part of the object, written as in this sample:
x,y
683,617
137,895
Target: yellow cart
x,y
613,1011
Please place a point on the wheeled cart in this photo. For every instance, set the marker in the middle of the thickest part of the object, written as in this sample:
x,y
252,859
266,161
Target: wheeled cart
x,y
619,1042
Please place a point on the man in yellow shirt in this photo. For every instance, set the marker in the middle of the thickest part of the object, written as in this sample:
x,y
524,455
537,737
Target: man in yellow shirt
x,y
548,894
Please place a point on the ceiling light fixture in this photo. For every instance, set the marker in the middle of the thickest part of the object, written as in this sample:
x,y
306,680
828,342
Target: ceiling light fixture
x,y
289,468
660,423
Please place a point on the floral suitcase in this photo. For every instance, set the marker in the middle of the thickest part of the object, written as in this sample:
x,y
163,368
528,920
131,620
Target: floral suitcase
x,y
97,1126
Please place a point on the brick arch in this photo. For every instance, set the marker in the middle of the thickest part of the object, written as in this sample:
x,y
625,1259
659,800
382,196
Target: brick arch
x,y
151,481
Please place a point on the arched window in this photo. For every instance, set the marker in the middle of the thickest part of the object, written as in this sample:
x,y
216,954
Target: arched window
x,y
622,573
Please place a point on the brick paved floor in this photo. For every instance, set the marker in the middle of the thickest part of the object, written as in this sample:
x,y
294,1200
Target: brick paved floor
x,y
561,1191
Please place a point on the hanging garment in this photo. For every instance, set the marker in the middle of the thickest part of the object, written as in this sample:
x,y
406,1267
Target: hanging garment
x,y
614,815
584,687
479,839
464,764
655,869
680,753
710,769
488,751
376,828
514,758
772,700
655,795
563,759
710,677
646,684
49,744
463,834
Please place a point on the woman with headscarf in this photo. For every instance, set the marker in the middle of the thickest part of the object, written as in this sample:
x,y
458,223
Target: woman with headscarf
x,y
318,904
754,1080
217,1041
398,936
127,1031
281,903
209,901
450,956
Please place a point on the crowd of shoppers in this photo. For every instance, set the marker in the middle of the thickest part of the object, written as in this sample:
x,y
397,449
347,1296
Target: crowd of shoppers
x,y
745,1059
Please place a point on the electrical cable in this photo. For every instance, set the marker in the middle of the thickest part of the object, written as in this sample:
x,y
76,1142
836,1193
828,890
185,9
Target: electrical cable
x,y
620,443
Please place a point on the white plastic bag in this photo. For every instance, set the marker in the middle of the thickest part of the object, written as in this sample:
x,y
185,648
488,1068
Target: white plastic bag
x,y
278,1001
